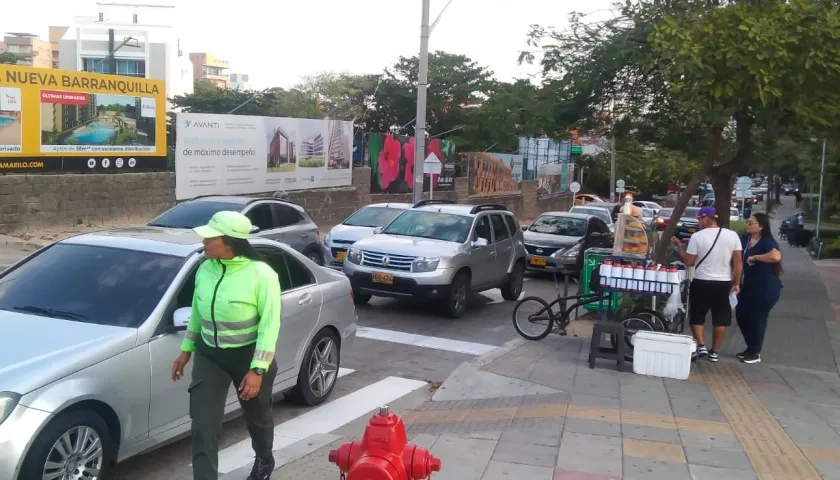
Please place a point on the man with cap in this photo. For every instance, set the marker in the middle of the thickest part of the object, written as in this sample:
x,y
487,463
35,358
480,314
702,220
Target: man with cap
x,y
715,254
233,331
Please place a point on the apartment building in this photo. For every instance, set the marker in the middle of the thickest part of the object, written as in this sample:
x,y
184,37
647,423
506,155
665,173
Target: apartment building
x,y
137,40
240,81
313,146
339,146
207,66
29,49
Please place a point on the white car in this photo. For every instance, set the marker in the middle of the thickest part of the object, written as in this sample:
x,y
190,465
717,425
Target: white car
x,y
363,223
734,215
650,205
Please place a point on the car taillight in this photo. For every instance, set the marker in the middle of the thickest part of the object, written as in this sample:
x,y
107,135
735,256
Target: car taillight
x,y
351,295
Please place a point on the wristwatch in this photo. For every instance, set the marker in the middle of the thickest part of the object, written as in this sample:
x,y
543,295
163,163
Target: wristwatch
x,y
258,371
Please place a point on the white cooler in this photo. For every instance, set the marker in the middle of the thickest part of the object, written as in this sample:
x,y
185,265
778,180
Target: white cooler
x,y
663,354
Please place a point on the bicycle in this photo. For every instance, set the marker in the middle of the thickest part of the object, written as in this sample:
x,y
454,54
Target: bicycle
x,y
652,321
545,314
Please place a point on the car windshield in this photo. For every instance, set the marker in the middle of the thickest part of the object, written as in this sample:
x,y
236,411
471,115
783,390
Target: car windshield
x,y
666,212
733,212
91,284
647,213
435,225
691,212
192,214
559,225
598,212
373,217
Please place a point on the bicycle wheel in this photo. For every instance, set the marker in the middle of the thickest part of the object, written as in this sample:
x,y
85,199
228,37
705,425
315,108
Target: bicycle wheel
x,y
654,318
532,314
632,324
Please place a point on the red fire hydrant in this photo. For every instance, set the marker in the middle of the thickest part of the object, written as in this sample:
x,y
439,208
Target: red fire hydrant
x,y
384,453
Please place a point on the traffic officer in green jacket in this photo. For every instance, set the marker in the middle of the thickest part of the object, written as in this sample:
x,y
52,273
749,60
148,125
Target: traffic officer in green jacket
x,y
233,331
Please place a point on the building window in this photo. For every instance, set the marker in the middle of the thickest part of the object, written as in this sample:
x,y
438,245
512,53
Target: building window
x,y
101,17
134,18
129,68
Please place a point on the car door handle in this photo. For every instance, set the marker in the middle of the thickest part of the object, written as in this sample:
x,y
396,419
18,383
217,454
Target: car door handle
x,y
305,299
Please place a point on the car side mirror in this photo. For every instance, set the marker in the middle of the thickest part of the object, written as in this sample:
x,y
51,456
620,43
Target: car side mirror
x,y
596,234
479,242
180,319
524,228
254,229
377,230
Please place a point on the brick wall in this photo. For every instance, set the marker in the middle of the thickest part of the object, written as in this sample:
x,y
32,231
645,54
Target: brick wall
x,y
53,201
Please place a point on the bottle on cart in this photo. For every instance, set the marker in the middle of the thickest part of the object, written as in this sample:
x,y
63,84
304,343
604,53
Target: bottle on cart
x,y
662,279
639,278
606,272
626,275
615,272
650,279
673,279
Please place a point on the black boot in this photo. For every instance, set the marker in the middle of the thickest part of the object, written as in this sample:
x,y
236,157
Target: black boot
x,y
262,469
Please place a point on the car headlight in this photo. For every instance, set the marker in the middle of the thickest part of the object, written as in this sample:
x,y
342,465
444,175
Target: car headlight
x,y
327,239
572,251
8,402
425,264
354,256
679,224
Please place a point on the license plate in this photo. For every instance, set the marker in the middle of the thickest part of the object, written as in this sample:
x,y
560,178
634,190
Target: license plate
x,y
692,230
379,277
340,256
538,261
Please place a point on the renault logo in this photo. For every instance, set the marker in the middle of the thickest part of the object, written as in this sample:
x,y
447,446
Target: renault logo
x,y
539,250
385,261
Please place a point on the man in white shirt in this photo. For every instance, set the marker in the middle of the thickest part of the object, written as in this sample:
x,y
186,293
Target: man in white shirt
x,y
715,253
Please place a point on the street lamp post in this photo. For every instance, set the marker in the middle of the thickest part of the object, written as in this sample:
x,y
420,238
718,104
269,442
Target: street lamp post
x,y
422,85
819,200
265,93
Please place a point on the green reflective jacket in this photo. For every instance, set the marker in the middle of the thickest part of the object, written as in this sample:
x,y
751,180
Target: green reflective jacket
x,y
236,303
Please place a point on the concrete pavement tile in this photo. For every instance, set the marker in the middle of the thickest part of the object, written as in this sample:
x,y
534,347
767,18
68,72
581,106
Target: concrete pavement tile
x,y
702,472
539,431
423,440
665,452
828,471
595,401
590,453
706,440
525,454
471,403
703,426
716,457
653,404
505,471
679,388
560,474
827,413
654,434
462,458
648,419
698,410
821,454
811,433
594,427
495,436
548,398
645,469
593,413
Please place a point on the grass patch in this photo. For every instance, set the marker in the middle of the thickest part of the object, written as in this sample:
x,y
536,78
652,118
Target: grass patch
x,y
311,162
289,167
738,226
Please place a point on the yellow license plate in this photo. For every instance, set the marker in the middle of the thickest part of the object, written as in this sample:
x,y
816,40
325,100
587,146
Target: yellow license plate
x,y
379,277
340,256
538,261
692,230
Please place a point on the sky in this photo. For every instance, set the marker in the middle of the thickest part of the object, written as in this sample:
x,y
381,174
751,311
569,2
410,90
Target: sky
x,y
279,42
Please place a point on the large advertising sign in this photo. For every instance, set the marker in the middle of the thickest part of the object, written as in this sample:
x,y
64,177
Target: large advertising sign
x,y
240,154
553,180
392,163
53,120
494,172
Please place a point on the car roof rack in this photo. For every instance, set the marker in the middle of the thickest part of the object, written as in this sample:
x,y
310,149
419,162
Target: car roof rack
x,y
275,199
423,203
487,206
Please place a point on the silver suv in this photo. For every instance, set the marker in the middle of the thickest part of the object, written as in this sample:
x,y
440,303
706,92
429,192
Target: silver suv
x,y
438,250
275,219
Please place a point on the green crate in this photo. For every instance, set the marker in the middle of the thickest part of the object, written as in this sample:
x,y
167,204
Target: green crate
x,y
592,259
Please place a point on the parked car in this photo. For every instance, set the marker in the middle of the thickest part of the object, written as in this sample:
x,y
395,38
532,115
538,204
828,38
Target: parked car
x,y
734,215
556,241
688,225
363,223
605,211
439,251
94,323
708,200
272,218
584,198
648,214
649,205
789,189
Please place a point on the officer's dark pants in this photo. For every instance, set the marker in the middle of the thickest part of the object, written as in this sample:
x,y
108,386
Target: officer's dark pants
x,y
213,371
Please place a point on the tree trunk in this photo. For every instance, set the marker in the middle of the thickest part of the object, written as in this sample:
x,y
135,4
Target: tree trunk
x,y
722,176
722,182
715,141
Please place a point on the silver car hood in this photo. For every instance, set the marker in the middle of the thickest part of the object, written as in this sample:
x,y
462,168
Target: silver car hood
x,y
549,240
350,233
409,246
37,350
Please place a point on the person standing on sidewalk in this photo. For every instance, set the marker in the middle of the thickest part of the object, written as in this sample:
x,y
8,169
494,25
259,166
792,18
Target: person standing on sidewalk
x,y
760,286
717,273
233,330
798,197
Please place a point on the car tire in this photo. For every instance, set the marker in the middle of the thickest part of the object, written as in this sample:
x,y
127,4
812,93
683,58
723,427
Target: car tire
x,y
75,424
513,286
316,257
304,393
459,292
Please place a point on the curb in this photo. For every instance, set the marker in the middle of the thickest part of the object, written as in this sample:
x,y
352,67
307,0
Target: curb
x,y
497,352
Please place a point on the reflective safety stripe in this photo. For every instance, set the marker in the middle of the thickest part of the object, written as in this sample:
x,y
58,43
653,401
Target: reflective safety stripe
x,y
236,340
230,326
263,356
193,336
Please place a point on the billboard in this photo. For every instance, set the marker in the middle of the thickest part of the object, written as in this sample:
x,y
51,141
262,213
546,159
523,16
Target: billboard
x,y
53,120
542,151
494,172
240,154
553,180
392,163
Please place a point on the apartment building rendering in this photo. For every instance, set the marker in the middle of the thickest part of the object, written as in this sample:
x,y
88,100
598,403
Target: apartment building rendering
x,y
339,152
281,150
312,146
57,118
207,66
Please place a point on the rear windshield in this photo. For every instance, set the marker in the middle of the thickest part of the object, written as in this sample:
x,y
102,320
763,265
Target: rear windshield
x,y
373,217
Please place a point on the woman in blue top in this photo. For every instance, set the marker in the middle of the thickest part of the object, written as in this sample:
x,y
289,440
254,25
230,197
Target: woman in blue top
x,y
760,285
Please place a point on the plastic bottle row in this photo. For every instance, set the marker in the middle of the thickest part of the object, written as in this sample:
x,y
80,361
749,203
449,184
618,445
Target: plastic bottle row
x,y
625,276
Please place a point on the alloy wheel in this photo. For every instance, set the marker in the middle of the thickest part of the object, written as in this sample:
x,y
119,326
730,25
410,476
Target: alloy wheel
x,y
76,455
323,367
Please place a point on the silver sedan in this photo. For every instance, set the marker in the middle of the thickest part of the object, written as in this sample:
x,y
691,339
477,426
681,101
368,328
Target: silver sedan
x,y
91,325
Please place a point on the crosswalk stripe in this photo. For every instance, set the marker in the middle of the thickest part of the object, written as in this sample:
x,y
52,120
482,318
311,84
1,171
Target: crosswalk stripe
x,y
418,340
323,419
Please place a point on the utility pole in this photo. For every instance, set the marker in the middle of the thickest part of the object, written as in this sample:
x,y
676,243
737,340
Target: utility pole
x,y
819,201
612,165
422,85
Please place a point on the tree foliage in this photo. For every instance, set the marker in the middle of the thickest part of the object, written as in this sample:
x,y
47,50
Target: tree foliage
x,y
8,58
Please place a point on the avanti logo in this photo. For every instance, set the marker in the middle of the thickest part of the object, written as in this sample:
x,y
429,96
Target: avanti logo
x,y
190,123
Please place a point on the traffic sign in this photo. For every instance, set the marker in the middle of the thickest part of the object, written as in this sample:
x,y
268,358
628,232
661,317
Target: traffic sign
x,y
619,190
743,183
432,164
574,187
620,184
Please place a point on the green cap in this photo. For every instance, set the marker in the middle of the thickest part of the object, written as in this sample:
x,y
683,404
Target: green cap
x,y
225,223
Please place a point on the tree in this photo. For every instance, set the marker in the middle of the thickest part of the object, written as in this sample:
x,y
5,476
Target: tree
x,y
8,58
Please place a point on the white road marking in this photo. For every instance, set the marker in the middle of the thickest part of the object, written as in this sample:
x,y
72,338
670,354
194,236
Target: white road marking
x,y
497,296
323,419
344,371
418,340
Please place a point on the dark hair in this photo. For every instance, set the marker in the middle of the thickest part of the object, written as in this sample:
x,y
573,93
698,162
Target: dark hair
x,y
241,247
767,232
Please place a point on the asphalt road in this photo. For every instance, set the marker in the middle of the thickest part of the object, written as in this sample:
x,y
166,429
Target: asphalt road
x,y
486,324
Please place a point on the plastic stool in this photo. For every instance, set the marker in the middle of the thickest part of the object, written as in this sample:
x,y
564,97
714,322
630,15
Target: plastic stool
x,y
606,353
